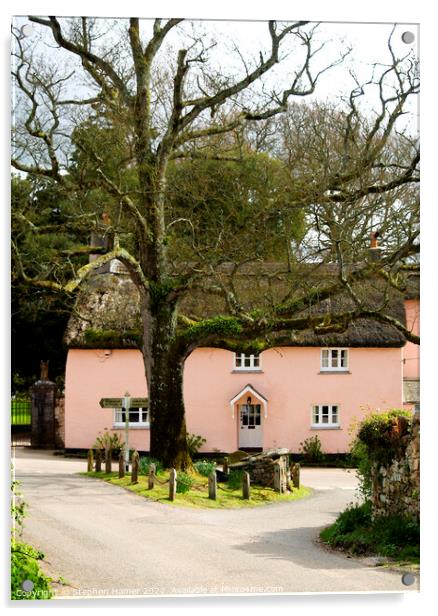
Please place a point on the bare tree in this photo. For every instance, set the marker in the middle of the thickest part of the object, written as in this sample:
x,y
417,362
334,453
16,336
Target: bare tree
x,y
187,110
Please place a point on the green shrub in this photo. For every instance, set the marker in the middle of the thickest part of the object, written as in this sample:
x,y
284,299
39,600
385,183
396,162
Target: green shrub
x,y
354,517
235,479
311,449
25,568
205,468
183,482
194,443
378,434
392,533
145,462
391,536
363,463
24,558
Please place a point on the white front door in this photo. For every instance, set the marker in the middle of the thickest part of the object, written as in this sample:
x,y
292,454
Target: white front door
x,y
250,426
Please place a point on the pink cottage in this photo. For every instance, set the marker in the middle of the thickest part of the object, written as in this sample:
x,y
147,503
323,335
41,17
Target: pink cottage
x,y
318,385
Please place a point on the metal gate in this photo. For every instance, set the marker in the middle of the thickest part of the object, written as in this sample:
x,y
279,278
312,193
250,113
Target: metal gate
x,y
21,421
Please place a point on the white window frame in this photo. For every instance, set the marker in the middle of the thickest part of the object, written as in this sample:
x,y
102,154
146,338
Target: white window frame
x,y
118,423
252,362
337,367
330,423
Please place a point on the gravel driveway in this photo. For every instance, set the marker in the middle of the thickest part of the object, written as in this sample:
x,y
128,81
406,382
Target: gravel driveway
x,y
107,541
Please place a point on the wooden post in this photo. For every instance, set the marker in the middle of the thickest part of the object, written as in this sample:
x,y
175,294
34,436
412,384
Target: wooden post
x,y
212,486
295,475
98,461
90,461
121,465
246,485
151,478
108,455
134,465
172,484
225,466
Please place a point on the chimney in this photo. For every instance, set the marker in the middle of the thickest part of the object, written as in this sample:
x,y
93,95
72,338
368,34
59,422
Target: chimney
x,y
100,239
375,251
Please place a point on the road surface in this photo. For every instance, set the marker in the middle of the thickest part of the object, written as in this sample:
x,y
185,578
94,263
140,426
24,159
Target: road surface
x,y
106,541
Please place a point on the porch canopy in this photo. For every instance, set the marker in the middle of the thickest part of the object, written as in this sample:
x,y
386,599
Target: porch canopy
x,y
249,390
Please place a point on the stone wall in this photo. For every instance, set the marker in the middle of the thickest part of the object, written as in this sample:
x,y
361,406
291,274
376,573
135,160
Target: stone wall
x,y
396,488
60,423
270,469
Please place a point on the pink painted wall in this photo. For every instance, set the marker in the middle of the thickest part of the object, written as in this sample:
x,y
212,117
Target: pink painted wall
x,y
92,375
411,352
289,379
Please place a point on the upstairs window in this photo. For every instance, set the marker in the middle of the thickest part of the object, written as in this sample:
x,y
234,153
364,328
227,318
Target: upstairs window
x,y
138,417
245,362
334,360
325,416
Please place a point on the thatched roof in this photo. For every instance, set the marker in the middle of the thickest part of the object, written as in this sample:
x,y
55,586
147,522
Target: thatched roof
x,y
107,311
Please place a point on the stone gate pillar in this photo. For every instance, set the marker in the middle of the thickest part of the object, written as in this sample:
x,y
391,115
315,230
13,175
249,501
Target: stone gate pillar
x,y
43,396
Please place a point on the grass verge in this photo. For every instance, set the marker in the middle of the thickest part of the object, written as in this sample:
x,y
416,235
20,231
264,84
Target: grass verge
x,y
393,537
197,497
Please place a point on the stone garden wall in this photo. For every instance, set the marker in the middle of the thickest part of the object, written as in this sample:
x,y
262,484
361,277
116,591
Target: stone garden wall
x,y
270,469
60,423
396,487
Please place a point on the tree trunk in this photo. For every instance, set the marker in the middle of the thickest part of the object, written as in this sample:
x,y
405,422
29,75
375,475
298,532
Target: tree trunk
x,y
165,365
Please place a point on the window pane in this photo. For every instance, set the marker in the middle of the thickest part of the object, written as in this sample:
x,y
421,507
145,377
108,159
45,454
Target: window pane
x,y
251,414
238,361
334,414
256,361
334,358
144,415
316,414
133,416
325,358
244,414
325,410
343,359
257,414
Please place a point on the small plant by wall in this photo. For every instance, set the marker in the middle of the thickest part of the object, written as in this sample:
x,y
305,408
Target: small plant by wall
x,y
194,443
311,450
109,440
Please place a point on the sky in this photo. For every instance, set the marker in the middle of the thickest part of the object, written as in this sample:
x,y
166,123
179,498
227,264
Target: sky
x,y
402,11
368,43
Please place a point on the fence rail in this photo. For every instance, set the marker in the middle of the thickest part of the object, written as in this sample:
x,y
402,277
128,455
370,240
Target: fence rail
x,y
21,412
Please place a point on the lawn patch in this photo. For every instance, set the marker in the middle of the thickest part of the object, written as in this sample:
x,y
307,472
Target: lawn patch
x,y
197,496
